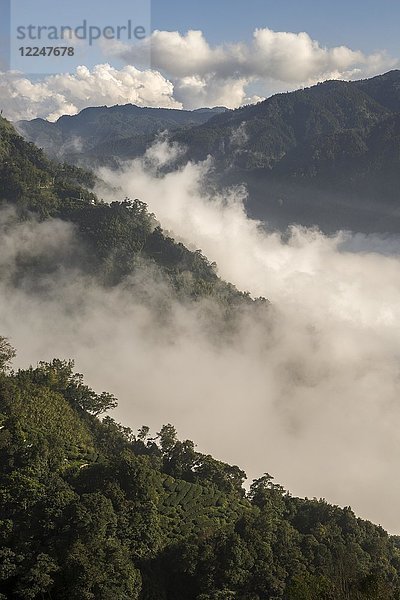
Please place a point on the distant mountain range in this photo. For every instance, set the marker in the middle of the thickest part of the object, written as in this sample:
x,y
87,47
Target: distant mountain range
x,y
327,155
102,132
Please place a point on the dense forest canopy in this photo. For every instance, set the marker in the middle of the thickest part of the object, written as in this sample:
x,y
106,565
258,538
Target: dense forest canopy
x,y
93,510
117,236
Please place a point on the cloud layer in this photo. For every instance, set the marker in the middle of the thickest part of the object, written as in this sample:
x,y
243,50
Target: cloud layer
x,y
206,75
188,72
307,390
312,393
67,94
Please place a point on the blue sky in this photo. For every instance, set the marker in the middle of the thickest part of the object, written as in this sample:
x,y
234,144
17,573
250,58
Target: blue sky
x,y
366,25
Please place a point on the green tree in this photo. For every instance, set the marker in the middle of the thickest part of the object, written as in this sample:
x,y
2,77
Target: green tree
x,y
7,353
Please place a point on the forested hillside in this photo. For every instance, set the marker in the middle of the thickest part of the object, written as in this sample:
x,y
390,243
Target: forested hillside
x,y
115,238
92,509
312,133
326,155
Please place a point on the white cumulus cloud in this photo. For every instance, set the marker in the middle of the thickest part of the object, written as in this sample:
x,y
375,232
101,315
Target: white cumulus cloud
x,y
187,71
203,74
314,397
68,93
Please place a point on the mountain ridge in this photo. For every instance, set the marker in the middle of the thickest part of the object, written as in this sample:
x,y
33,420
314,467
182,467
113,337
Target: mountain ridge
x,y
327,155
94,126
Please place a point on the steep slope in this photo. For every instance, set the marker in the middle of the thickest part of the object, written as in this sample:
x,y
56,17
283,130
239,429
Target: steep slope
x,y
28,178
385,89
327,155
114,240
90,509
263,134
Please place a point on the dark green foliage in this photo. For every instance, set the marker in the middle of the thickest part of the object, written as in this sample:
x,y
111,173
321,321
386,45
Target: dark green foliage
x,y
115,239
59,376
89,510
29,179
